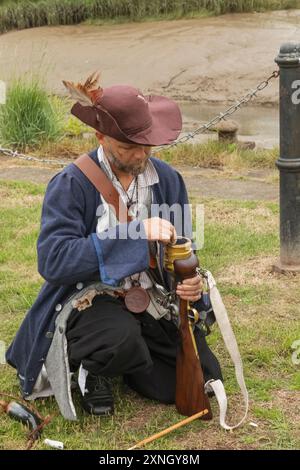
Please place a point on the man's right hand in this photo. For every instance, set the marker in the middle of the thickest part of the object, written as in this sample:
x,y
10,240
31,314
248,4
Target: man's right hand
x,y
158,229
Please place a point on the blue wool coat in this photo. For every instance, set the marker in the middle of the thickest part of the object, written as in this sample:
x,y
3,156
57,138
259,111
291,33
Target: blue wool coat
x,y
69,252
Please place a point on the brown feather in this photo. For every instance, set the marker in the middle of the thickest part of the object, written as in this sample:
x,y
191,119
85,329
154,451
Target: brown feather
x,y
86,94
92,81
78,93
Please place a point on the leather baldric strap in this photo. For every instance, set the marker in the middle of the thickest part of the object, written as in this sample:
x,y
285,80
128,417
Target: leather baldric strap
x,y
103,184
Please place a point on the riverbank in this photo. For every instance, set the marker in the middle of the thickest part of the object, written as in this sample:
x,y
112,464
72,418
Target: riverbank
x,y
210,60
20,14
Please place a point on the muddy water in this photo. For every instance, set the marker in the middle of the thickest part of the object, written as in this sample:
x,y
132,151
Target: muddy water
x,y
256,123
210,60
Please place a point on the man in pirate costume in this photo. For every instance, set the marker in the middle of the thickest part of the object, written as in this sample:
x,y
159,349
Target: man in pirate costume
x,y
96,315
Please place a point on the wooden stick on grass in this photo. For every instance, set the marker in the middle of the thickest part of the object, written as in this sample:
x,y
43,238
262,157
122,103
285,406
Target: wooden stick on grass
x,y
171,428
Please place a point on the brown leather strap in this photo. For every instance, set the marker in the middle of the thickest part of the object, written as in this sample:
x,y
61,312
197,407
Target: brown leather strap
x,y
105,187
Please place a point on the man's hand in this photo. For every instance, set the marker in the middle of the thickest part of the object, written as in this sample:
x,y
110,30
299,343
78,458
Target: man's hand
x,y
190,289
158,229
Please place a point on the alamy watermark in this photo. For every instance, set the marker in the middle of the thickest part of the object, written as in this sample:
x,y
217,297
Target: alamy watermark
x,y
180,216
2,352
296,354
296,94
2,92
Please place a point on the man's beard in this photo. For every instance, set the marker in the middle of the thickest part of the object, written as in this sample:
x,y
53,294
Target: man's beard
x,y
134,170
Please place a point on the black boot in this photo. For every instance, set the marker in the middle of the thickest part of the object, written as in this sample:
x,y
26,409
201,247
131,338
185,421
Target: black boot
x,y
98,399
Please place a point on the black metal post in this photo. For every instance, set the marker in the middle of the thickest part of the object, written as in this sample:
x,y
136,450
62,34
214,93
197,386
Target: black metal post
x,y
289,159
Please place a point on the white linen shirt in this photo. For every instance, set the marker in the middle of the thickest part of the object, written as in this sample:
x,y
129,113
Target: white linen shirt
x,y
108,219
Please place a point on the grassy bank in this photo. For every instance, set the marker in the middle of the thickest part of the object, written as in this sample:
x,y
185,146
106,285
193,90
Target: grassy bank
x,y
240,243
22,14
212,154
75,139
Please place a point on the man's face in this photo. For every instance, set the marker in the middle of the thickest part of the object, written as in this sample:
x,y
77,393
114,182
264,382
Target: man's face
x,y
128,158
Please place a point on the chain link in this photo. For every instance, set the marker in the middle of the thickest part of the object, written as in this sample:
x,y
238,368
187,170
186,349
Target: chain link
x,y
222,116
22,156
200,130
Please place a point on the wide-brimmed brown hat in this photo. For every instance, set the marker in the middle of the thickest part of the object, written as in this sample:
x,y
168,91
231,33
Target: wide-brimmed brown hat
x,y
124,113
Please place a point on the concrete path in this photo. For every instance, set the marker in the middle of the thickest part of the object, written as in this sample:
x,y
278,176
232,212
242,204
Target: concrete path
x,y
200,182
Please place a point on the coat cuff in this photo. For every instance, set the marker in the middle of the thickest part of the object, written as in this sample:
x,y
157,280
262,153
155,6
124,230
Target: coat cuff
x,y
122,251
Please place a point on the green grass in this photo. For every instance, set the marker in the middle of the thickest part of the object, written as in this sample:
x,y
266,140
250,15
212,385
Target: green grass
x,y
26,14
264,309
215,154
30,116
207,155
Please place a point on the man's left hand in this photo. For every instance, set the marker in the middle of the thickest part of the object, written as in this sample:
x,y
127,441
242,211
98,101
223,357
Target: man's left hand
x,y
190,289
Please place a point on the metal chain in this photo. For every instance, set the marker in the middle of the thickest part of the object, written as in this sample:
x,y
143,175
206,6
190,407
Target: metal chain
x,y
222,116
203,128
21,156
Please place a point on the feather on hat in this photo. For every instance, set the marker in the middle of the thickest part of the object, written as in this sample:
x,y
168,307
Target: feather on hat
x,y
124,113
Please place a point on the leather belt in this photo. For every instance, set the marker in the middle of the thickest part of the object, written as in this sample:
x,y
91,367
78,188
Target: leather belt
x,y
119,294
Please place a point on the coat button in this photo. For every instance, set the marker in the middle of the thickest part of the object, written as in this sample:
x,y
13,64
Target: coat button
x,y
79,285
60,329
58,307
49,334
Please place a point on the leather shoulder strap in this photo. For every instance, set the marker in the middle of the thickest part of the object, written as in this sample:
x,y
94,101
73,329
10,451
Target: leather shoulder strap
x,y
103,184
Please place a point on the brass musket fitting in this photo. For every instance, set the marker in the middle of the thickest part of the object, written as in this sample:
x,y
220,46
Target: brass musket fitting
x,y
179,250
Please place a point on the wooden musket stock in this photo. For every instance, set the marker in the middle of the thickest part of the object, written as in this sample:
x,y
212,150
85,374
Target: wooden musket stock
x,y
190,395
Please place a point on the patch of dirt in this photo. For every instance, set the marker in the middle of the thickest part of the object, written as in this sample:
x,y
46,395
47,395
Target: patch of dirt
x,y
289,402
226,188
260,219
142,416
25,172
199,183
7,201
210,436
257,271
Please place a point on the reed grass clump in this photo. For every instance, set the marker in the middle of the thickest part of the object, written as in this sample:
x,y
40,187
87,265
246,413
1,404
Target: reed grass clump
x,y
30,116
